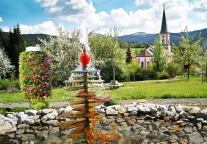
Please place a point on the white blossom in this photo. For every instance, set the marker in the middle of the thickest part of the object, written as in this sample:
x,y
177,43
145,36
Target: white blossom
x,y
5,64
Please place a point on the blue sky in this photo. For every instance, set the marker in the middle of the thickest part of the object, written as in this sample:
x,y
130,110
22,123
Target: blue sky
x,y
43,16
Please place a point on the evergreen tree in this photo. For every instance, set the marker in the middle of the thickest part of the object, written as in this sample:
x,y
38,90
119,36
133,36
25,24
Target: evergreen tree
x,y
16,45
128,55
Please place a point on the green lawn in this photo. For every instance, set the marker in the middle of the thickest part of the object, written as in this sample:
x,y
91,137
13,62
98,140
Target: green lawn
x,y
192,88
58,94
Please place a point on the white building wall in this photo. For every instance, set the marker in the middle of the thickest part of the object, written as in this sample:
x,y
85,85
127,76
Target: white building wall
x,y
144,60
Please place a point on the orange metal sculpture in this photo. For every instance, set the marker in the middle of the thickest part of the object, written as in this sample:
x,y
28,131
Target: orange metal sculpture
x,y
83,117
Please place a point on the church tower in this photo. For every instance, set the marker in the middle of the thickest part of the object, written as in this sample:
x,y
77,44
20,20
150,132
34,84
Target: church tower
x,y
164,34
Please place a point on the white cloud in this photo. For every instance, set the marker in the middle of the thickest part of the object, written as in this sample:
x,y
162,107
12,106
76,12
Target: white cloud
x,y
179,14
5,28
47,27
1,20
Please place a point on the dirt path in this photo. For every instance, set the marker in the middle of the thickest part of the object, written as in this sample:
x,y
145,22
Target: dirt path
x,y
201,102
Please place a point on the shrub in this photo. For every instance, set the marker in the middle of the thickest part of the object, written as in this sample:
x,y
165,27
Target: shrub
x,y
163,75
35,74
172,69
4,84
37,105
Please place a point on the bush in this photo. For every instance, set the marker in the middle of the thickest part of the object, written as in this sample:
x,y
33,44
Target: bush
x,y
163,75
4,84
37,105
35,74
172,69
147,74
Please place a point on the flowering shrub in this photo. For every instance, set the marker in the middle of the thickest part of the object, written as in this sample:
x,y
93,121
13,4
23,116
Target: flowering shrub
x,y
5,64
35,75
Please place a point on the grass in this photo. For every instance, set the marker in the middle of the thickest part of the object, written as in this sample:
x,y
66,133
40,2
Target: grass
x,y
58,94
183,88
192,88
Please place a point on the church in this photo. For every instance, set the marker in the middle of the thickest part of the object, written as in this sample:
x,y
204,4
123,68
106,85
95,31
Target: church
x,y
145,57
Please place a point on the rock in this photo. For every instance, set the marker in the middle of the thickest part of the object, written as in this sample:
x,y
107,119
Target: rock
x,y
179,108
204,111
144,133
110,111
183,114
171,112
68,109
188,129
194,110
32,120
12,120
173,139
195,138
100,109
205,128
120,120
50,116
31,112
155,125
6,127
51,122
143,109
130,123
61,111
23,126
54,131
199,125
130,109
21,116
121,110
46,111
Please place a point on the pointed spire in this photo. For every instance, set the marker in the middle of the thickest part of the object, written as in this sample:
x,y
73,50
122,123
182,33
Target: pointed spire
x,y
164,22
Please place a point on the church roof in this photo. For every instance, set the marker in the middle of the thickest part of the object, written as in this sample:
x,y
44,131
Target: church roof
x,y
164,22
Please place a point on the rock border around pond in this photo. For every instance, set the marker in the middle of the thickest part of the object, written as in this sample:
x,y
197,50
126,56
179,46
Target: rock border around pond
x,y
135,122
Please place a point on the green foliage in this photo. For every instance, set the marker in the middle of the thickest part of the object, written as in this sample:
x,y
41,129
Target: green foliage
x,y
14,47
108,56
4,84
159,59
64,51
186,53
37,105
131,69
163,75
173,69
145,74
35,74
128,55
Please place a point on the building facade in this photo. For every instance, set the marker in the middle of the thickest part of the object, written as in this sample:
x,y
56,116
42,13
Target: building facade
x,y
145,57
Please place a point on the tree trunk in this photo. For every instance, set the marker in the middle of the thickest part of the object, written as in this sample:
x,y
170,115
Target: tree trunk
x,y
188,72
113,67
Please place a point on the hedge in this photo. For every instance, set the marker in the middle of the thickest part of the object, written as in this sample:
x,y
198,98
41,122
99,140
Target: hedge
x,y
35,74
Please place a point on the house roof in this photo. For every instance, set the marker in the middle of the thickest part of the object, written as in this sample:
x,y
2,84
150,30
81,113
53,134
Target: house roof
x,y
145,53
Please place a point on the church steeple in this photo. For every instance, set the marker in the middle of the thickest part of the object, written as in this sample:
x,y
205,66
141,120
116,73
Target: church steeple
x,y
164,22
164,34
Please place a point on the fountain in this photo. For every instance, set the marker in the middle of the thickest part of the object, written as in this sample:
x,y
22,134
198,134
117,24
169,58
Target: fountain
x,y
83,117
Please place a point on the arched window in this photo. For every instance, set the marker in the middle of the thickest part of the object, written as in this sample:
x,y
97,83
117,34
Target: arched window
x,y
142,64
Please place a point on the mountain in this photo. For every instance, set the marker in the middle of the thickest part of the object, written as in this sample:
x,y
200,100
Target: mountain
x,y
141,37
33,39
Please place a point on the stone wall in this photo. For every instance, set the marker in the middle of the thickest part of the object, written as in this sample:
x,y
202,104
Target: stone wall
x,y
136,123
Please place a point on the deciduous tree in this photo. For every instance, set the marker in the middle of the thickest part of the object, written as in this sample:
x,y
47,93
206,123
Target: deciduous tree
x,y
187,52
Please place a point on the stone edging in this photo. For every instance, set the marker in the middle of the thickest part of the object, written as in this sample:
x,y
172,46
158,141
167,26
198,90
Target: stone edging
x,y
140,122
